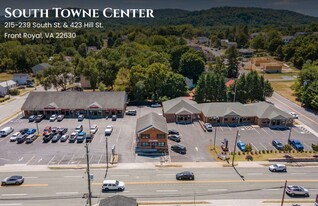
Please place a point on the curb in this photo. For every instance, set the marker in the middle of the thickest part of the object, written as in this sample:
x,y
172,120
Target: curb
x,y
10,117
59,167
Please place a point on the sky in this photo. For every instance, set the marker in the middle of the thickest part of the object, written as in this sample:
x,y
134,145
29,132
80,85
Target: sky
x,y
308,7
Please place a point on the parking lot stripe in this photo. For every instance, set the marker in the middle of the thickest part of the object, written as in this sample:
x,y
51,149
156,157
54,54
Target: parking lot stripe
x,y
61,160
20,159
216,190
51,159
254,147
256,130
39,160
100,159
264,130
166,190
90,160
30,160
262,145
307,145
66,193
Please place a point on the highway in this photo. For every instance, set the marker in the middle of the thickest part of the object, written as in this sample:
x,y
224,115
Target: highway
x,y
307,117
66,187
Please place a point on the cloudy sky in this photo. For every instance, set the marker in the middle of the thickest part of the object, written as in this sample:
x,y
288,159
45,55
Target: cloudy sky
x,y
308,7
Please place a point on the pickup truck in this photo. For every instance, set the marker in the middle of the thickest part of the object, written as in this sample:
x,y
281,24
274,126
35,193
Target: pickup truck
x,y
296,144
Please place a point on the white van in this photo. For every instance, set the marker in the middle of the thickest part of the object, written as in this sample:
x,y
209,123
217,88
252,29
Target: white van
x,y
113,185
6,131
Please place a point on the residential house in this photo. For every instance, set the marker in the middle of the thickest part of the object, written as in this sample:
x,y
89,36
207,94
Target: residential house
x,y
5,86
261,60
180,110
246,53
253,35
189,82
224,42
203,40
231,44
118,200
287,39
68,58
22,79
71,104
272,67
152,134
40,67
300,33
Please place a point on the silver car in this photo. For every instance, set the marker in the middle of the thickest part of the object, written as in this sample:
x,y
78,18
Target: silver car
x,y
278,168
13,180
293,190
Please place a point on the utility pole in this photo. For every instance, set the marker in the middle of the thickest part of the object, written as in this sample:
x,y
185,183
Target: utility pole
x,y
106,157
89,120
282,203
237,135
88,177
290,131
217,119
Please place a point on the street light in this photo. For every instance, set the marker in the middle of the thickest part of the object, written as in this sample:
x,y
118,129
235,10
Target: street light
x,y
290,131
217,119
237,136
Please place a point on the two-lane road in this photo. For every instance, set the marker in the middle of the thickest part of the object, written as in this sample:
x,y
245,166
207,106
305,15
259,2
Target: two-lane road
x,y
67,187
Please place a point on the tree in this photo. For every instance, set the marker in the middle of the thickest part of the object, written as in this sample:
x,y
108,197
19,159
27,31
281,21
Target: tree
x,y
101,87
191,65
82,50
258,42
176,53
122,80
232,69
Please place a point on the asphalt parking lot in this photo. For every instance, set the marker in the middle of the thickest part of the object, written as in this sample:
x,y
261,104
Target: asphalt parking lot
x,y
192,136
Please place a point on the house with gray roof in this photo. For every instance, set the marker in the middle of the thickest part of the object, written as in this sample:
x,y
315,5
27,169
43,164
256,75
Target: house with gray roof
x,y
40,67
151,134
5,86
180,110
118,200
260,113
71,104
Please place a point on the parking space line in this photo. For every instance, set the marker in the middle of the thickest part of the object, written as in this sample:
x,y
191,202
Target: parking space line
x,y
100,159
90,160
262,145
61,159
307,145
30,160
69,162
254,147
256,130
264,130
51,159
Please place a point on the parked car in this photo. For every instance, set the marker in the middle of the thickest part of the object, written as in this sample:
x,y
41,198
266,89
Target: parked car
x,y
31,131
64,137
81,137
296,144
32,118
116,185
186,175
278,168
23,131
179,148
6,131
93,129
62,130
208,127
31,138
56,138
48,137
53,117
79,128
277,144
73,137
21,138
39,118
108,130
60,117
174,137
173,132
131,112
293,190
114,117
55,130
155,105
13,138
295,116
89,137
241,145
47,131
13,180
80,117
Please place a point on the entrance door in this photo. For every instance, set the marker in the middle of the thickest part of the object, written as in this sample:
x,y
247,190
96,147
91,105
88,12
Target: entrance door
x,y
153,145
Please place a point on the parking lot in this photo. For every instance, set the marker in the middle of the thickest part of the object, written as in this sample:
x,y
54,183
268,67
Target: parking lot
x,y
122,137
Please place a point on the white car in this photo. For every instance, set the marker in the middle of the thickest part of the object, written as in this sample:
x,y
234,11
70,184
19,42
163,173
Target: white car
x,y
53,118
113,185
155,105
295,116
13,138
278,168
94,129
108,130
293,190
208,127
60,117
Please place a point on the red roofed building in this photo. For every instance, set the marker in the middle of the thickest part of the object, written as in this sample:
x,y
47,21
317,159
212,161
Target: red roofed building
x,y
229,83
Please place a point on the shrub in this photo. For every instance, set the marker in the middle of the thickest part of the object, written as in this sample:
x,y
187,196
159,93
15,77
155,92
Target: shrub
x,y
248,147
239,153
231,153
249,158
314,147
275,151
263,151
287,148
267,151
252,152
14,92
271,151
243,153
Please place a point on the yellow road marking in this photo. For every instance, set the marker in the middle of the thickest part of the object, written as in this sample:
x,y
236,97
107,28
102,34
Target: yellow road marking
x,y
27,185
207,181
293,109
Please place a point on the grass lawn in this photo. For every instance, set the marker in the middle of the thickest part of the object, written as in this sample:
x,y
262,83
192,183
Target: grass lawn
x,y
5,76
284,88
260,157
280,75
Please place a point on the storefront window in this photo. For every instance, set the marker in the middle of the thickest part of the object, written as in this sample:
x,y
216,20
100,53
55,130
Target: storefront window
x,y
145,136
161,136
161,144
145,144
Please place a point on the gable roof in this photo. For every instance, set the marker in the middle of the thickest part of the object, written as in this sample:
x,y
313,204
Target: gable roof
x,y
265,110
75,100
39,67
151,120
118,200
224,109
7,83
175,105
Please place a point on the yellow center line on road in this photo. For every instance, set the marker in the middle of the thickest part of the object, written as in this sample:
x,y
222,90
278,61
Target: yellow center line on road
x,y
27,185
293,109
209,181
